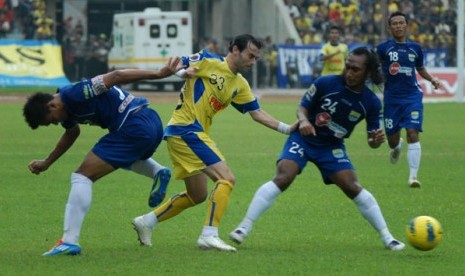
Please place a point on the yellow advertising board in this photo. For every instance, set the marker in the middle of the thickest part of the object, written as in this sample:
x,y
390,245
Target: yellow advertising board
x,y
31,63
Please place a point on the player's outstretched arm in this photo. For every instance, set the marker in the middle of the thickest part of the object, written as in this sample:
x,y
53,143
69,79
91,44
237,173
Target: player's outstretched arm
x,y
131,75
65,142
267,120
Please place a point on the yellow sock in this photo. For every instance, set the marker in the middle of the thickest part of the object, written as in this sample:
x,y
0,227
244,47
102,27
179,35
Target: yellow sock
x,y
174,206
217,202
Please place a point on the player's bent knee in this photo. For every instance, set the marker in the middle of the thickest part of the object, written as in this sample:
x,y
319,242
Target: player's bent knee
x,y
197,198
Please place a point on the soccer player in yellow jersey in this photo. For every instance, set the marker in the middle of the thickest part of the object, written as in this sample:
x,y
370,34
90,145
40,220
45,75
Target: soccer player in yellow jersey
x,y
195,156
333,53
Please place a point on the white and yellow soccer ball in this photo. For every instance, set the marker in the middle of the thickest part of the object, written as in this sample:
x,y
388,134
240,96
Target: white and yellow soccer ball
x,y
424,232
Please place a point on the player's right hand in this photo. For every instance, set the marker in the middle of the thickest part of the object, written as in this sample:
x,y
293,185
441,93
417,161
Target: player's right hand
x,y
306,128
38,166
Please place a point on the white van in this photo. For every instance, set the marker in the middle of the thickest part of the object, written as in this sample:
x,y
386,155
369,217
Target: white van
x,y
145,40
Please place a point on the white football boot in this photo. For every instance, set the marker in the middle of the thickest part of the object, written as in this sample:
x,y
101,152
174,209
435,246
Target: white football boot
x,y
144,232
214,242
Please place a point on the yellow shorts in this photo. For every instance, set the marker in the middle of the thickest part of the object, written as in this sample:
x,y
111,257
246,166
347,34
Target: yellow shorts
x,y
191,153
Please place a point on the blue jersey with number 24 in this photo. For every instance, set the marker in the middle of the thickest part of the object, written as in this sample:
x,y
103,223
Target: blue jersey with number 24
x,y
335,110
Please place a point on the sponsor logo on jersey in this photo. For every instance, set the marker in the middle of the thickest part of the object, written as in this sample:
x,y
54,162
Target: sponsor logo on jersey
x,y
125,103
216,104
86,92
415,115
394,68
339,131
322,119
354,116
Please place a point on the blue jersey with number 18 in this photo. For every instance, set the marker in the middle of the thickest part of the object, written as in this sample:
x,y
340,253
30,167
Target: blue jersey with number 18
x,y
399,61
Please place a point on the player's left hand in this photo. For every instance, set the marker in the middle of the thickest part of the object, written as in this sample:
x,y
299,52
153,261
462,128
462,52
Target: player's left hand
x,y
436,83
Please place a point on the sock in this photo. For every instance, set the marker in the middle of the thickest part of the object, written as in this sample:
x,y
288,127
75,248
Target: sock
x,y
174,206
413,158
218,202
263,199
148,167
369,208
80,197
209,231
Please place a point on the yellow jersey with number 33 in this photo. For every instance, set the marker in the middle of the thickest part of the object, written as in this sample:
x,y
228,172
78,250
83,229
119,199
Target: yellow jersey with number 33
x,y
210,91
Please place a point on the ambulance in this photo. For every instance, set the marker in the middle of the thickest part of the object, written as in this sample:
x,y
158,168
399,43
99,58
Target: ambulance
x,y
146,40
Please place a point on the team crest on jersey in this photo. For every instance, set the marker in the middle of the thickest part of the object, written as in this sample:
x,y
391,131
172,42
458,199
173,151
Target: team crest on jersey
x,y
338,153
394,68
354,116
411,57
310,92
195,57
322,119
415,115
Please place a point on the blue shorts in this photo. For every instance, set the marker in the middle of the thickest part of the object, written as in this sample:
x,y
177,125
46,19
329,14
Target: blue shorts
x,y
399,116
137,139
329,159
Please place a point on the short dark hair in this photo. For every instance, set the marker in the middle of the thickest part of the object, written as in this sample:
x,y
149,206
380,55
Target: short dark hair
x,y
241,41
397,13
36,108
335,27
372,63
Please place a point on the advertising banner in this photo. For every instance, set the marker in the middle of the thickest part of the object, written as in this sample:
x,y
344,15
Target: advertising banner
x,y
31,63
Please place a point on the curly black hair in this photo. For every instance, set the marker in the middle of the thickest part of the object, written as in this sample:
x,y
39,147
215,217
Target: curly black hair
x,y
36,109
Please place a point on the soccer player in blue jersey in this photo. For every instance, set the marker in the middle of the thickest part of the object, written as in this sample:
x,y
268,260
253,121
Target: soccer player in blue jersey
x,y
195,156
403,107
327,114
135,131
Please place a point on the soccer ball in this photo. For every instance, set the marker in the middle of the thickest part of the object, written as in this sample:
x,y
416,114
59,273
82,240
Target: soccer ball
x,y
424,233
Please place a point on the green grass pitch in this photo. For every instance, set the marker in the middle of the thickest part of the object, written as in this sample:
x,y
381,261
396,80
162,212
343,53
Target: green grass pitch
x,y
312,229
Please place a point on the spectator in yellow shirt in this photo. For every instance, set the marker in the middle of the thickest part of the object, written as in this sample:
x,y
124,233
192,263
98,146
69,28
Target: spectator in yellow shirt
x,y
333,53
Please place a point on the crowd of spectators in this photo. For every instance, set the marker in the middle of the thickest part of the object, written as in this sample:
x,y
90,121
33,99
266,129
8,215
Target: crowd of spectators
x,y
85,58
84,55
431,22
6,18
25,19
